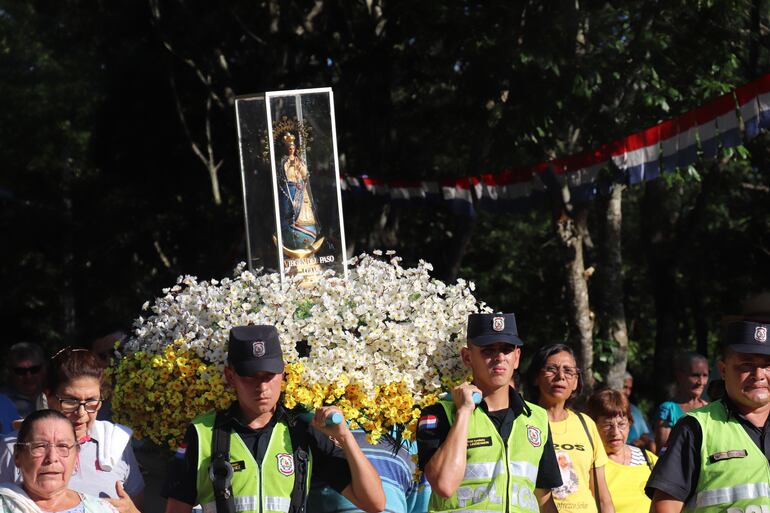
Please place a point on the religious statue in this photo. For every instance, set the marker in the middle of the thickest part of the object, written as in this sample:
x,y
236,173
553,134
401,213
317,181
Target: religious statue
x,y
299,224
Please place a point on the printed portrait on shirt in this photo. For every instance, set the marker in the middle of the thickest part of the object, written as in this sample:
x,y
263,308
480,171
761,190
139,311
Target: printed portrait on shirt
x,y
569,477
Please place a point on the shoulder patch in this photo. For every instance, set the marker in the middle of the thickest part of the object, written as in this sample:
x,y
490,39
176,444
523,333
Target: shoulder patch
x,y
534,435
428,422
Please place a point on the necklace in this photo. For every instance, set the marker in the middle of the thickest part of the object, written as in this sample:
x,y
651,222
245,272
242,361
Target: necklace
x,y
627,455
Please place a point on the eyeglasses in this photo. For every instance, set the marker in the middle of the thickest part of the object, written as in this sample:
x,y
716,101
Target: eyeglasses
x,y
621,424
39,449
21,371
73,405
552,370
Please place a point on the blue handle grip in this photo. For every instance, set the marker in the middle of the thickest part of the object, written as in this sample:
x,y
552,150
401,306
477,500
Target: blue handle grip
x,y
476,397
331,420
334,419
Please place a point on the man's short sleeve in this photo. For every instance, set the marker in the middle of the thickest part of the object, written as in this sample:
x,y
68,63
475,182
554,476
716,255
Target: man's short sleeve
x,y
329,461
678,469
8,471
548,474
432,430
8,413
182,477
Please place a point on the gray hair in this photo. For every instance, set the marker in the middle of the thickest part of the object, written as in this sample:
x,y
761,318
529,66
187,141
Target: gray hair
x,y
26,351
683,360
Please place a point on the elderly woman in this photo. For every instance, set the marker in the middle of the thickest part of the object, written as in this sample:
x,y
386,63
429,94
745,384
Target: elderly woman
x,y
553,380
108,467
691,372
628,467
46,452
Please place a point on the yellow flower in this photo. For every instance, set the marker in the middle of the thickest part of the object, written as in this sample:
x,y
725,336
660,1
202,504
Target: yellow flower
x,y
150,390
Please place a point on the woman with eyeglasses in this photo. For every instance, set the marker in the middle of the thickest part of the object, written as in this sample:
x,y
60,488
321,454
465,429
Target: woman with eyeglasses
x,y
108,467
46,452
628,467
553,380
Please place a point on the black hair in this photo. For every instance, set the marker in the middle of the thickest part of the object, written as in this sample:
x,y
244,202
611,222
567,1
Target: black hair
x,y
36,416
538,362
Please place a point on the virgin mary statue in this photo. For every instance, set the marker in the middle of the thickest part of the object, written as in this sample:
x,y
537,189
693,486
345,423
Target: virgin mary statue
x,y
299,227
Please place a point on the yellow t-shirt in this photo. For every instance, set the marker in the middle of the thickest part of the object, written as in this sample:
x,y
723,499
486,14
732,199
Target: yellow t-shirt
x,y
626,484
576,459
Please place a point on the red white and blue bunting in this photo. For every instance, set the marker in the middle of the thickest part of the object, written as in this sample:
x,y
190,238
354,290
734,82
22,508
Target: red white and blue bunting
x,y
642,156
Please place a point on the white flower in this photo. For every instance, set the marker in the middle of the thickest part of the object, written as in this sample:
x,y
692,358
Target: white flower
x,y
385,324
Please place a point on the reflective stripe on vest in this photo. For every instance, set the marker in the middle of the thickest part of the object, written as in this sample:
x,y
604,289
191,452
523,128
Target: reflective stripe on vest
x,y
489,470
496,479
251,503
732,494
274,480
524,469
242,503
735,484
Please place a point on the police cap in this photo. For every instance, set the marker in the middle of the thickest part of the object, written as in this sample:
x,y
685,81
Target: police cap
x,y
747,337
486,329
253,349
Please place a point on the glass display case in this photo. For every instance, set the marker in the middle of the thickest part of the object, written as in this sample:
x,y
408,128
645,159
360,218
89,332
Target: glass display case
x,y
290,175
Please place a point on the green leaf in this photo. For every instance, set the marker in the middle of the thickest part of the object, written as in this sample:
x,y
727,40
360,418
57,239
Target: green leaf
x,y
743,152
303,310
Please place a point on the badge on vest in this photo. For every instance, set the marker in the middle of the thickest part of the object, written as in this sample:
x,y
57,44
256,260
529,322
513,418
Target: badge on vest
x,y
728,455
285,463
533,435
238,465
481,441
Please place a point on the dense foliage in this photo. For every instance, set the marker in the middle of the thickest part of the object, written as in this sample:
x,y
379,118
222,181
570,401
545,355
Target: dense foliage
x,y
104,105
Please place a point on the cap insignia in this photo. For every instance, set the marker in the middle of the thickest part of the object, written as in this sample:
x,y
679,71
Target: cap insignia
x,y
258,348
760,334
498,323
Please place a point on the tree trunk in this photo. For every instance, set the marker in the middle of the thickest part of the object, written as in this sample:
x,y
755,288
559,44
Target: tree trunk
x,y
459,245
660,217
571,231
614,325
67,292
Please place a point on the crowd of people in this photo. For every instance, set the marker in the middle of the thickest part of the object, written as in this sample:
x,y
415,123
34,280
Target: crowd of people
x,y
491,444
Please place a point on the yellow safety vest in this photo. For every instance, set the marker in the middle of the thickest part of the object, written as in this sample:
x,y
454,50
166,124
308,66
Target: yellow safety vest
x,y
497,479
734,474
270,485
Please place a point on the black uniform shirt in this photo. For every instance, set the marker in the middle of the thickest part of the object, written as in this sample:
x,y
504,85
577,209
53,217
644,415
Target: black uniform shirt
x,y
182,478
429,439
678,469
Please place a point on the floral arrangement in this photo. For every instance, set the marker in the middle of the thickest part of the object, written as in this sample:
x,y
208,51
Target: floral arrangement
x,y
380,345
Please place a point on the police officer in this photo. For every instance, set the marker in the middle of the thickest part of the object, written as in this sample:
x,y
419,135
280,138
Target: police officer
x,y
497,456
717,456
257,456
